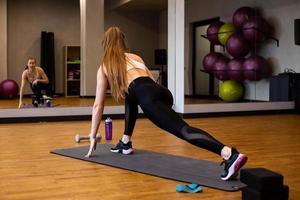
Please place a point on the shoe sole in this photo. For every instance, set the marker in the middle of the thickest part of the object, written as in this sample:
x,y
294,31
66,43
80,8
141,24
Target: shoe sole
x,y
236,166
123,151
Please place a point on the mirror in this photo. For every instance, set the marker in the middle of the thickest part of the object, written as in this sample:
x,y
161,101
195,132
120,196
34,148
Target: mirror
x,y
27,36
143,22
145,25
273,25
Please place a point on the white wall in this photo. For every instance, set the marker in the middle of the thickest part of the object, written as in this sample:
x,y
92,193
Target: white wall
x,y
3,40
26,20
281,13
176,52
287,54
92,31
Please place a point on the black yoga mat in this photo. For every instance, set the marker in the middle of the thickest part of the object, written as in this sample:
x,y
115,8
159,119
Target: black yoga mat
x,y
168,166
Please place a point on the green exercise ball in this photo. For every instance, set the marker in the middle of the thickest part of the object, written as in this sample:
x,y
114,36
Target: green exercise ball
x,y
231,91
225,32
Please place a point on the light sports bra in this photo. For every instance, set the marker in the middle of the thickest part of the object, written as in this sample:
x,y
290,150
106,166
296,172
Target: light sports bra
x,y
131,64
33,77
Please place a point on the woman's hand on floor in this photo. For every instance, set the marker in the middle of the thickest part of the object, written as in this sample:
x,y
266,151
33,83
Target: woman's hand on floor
x,y
93,146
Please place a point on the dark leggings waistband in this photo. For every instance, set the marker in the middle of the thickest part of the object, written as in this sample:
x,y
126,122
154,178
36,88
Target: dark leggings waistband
x,y
141,80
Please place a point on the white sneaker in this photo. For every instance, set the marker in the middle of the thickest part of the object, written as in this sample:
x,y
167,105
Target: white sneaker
x,y
46,97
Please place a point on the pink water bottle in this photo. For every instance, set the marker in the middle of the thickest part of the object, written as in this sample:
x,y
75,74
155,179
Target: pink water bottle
x,y
108,129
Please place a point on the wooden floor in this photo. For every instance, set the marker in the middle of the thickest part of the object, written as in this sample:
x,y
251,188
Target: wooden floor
x,y
59,101
29,171
76,101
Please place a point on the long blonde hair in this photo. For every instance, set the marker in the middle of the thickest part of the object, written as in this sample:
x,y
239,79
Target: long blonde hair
x,y
114,61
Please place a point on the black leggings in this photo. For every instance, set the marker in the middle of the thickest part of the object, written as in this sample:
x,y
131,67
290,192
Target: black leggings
x,y
37,90
156,102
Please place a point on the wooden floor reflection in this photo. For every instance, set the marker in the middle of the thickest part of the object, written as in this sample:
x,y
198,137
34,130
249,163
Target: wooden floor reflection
x,y
77,101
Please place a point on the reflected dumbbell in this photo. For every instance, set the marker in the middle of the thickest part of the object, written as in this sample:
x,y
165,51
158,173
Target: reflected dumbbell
x,y
79,138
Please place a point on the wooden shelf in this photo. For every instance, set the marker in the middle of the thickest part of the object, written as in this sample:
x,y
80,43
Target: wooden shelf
x,y
72,69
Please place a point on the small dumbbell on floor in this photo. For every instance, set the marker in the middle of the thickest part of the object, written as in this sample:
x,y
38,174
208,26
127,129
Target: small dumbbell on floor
x,y
78,138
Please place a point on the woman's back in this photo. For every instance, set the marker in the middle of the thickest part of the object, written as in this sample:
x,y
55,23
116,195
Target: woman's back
x,y
136,68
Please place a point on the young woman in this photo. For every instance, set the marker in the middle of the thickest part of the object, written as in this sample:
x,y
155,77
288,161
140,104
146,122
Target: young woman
x,y
37,79
129,78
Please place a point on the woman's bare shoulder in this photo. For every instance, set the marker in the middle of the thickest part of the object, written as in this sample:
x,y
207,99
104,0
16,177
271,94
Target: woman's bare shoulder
x,y
102,69
25,72
39,68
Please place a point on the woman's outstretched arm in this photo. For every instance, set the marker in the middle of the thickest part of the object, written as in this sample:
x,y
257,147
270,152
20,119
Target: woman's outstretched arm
x,y
23,80
98,108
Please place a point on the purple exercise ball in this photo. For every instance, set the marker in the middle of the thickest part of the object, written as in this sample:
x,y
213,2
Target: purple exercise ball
x,y
209,61
241,15
212,32
255,30
235,69
220,68
255,68
8,89
237,45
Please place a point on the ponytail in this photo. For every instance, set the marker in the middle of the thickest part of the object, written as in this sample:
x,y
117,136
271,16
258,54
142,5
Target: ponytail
x,y
115,62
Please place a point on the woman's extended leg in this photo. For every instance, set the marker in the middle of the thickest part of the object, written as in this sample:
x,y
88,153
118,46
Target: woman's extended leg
x,y
166,118
156,102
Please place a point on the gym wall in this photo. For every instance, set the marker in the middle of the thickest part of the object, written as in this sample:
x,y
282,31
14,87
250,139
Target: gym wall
x,y
141,30
163,30
26,20
279,13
